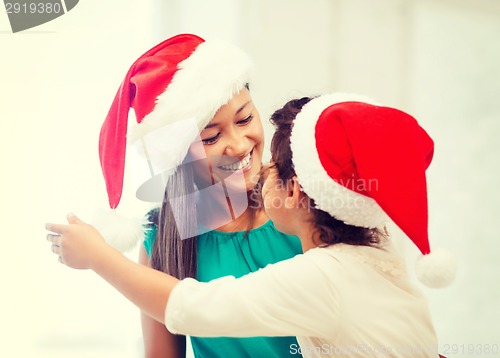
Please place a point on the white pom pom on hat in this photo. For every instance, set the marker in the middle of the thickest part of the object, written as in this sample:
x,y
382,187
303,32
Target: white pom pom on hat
x,y
436,269
364,164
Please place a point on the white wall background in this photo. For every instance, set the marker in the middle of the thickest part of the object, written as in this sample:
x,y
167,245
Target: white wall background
x,y
438,59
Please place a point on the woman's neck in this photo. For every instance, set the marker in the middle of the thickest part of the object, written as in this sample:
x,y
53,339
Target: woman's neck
x,y
242,222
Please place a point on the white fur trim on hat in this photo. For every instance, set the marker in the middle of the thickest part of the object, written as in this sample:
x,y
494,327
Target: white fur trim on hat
x,y
346,205
204,82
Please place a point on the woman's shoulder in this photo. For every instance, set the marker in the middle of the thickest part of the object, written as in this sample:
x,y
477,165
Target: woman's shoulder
x,y
268,229
265,237
265,230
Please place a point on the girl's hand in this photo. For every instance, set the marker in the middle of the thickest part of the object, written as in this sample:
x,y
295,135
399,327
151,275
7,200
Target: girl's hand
x,y
78,244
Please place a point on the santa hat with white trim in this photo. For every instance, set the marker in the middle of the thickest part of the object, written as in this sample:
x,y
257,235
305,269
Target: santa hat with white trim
x,y
364,164
176,87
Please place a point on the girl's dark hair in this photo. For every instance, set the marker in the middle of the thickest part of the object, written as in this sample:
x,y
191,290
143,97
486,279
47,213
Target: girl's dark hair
x,y
329,230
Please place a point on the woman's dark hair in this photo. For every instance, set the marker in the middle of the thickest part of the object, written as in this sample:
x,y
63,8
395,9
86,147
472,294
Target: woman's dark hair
x,y
172,252
329,230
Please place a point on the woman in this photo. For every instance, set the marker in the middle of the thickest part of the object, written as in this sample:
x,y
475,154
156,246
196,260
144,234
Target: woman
x,y
202,138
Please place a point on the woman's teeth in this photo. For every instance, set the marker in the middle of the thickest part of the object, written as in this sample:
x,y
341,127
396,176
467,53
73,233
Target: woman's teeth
x,y
238,165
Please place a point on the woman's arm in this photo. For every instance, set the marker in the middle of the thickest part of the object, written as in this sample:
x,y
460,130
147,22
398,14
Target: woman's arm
x,y
158,341
81,246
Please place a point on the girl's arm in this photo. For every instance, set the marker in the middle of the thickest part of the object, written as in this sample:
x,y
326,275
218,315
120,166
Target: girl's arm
x,y
81,246
158,341
290,298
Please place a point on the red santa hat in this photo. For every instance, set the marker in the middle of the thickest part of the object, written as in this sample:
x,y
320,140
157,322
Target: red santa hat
x,y
364,164
176,88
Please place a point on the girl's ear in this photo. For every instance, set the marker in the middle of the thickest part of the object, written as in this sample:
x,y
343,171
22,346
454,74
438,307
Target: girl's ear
x,y
294,194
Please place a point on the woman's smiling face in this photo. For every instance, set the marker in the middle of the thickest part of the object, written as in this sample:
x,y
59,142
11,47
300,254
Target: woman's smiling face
x,y
232,143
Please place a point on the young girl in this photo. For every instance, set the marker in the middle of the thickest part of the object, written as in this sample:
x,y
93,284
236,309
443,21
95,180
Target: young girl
x,y
341,166
176,89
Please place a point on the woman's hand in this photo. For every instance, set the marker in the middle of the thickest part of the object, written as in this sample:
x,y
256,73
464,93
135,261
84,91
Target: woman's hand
x,y
78,244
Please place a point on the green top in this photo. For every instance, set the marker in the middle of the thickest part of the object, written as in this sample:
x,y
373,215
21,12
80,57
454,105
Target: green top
x,y
233,254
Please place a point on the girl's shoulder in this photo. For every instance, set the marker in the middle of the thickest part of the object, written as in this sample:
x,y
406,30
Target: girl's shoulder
x,y
383,258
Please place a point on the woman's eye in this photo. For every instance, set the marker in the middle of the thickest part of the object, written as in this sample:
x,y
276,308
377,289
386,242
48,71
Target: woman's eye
x,y
211,140
246,120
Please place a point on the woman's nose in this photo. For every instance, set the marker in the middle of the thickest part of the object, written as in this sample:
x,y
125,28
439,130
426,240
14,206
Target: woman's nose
x,y
236,145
